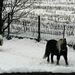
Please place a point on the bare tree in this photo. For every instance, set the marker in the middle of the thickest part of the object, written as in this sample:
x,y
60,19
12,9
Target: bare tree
x,y
1,23
15,9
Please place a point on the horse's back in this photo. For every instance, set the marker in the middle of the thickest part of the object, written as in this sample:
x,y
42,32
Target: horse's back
x,y
51,46
51,43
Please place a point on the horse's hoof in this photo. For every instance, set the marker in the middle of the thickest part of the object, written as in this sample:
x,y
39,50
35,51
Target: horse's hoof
x,y
52,62
47,61
67,64
57,63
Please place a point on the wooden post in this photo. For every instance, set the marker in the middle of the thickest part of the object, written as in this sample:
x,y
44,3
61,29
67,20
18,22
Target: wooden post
x,y
64,32
24,24
38,29
1,23
8,37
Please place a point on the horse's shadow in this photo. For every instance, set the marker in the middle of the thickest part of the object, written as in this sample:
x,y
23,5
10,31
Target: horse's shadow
x,y
2,50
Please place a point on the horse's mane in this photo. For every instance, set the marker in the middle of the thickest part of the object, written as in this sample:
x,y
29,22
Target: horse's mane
x,y
61,42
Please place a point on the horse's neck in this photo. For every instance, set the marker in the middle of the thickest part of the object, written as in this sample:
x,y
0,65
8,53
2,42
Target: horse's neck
x,y
58,45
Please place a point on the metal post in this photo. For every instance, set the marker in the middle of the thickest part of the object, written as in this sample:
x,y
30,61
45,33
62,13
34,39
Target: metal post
x,y
64,32
38,29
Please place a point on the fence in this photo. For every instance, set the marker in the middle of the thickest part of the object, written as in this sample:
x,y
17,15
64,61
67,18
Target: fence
x,y
41,28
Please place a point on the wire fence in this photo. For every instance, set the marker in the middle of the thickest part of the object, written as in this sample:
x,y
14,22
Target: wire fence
x,y
41,28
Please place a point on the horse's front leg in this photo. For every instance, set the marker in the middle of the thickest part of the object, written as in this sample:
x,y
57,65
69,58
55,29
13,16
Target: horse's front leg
x,y
66,61
58,58
52,58
48,59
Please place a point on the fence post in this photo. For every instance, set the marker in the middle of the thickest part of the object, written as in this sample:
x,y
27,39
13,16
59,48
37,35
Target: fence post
x,y
24,24
38,39
64,32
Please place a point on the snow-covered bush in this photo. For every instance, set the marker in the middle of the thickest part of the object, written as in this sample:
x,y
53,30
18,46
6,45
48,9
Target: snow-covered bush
x,y
70,44
74,46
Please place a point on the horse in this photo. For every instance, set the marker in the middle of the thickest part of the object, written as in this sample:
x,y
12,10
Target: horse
x,y
57,48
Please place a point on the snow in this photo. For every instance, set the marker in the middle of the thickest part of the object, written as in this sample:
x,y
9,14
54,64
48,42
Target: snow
x,y
26,55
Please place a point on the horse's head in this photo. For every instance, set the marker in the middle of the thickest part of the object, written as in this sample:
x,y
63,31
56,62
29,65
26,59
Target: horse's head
x,y
63,41
61,44
64,44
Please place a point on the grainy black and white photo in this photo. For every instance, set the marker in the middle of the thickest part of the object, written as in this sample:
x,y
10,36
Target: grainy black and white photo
x,y
37,37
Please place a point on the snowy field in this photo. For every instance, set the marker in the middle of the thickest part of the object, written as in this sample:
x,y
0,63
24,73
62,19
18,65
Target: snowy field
x,y
25,55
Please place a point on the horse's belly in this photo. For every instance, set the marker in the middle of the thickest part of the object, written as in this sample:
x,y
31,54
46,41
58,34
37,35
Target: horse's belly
x,y
54,52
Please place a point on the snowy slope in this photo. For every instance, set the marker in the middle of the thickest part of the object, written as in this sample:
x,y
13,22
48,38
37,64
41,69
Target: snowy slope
x,y
25,55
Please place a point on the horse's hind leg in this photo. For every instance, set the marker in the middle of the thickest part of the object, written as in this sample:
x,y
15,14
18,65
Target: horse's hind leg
x,y
48,58
52,58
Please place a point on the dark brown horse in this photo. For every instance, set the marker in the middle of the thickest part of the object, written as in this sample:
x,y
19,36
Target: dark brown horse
x,y
57,48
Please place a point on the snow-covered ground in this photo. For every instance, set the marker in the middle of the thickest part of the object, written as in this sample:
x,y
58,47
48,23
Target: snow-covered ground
x,y
26,55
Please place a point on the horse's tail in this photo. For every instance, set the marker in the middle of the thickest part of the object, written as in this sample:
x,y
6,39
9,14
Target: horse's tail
x,y
44,56
46,52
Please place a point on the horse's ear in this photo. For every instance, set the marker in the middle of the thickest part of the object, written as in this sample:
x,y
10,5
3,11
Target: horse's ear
x,y
64,38
60,39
